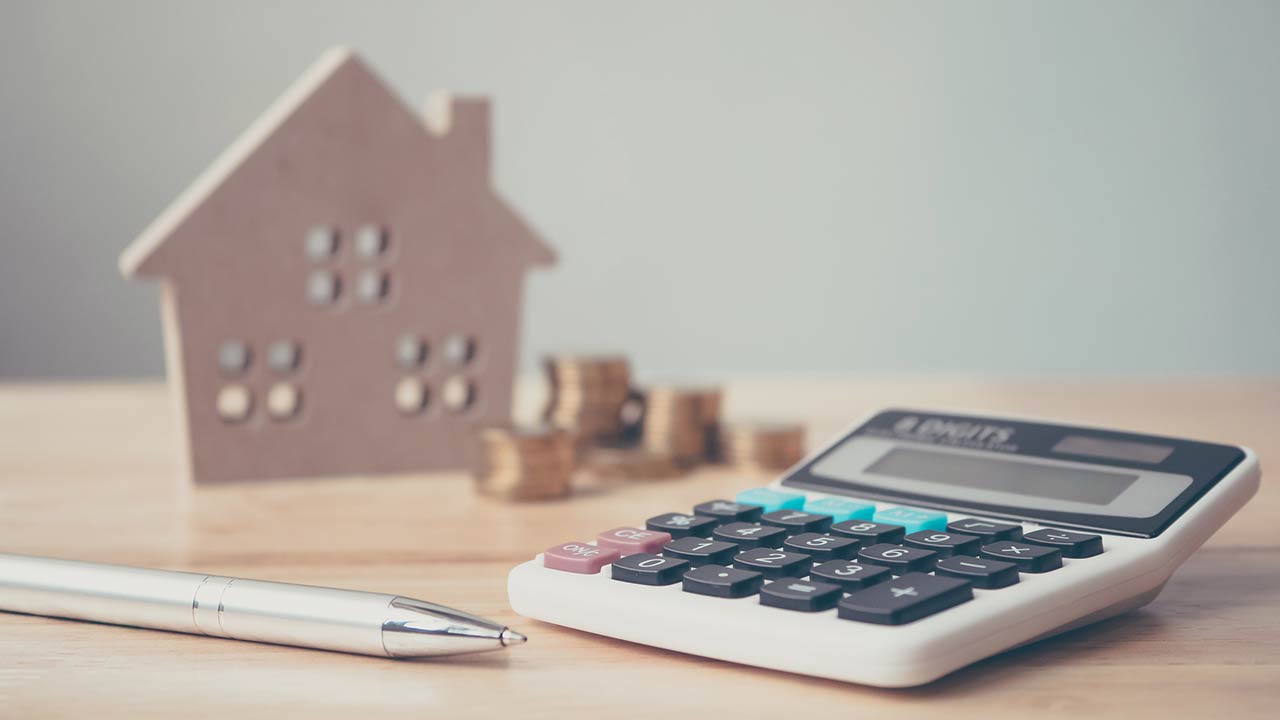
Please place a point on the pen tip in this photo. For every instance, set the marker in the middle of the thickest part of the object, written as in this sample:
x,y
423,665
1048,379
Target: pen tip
x,y
511,637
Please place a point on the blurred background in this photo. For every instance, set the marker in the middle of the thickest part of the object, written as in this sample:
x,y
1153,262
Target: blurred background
x,y
741,188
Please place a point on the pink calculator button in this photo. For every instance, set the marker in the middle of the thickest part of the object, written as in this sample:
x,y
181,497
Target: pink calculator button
x,y
578,557
629,540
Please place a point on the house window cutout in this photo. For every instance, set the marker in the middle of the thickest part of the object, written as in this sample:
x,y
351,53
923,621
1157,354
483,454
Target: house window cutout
x,y
411,396
323,287
458,393
283,401
371,286
411,351
370,241
234,357
283,356
321,243
234,403
459,349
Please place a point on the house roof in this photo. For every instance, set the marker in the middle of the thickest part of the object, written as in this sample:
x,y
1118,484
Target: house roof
x,y
143,257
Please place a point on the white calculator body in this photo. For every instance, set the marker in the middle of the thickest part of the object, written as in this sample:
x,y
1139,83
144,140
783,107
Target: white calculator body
x,y
913,545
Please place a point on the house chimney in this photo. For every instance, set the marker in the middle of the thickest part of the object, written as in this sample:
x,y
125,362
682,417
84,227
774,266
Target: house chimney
x,y
463,124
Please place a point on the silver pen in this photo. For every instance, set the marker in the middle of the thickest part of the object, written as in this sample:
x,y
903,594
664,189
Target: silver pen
x,y
270,612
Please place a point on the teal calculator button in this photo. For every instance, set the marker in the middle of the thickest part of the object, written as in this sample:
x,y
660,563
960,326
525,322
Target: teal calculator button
x,y
771,500
841,510
912,519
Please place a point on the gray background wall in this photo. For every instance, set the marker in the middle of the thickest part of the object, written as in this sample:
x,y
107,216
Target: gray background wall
x,y
735,187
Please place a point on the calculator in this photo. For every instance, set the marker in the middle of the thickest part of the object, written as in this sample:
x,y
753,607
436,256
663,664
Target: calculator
x,y
913,545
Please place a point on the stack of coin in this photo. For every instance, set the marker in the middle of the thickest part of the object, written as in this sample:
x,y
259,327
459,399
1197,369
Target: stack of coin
x,y
681,422
526,464
770,446
629,464
587,394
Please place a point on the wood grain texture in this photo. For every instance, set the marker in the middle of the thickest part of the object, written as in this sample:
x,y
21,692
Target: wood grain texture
x,y
91,472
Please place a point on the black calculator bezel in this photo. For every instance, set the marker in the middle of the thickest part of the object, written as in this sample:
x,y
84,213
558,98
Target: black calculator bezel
x,y
1204,463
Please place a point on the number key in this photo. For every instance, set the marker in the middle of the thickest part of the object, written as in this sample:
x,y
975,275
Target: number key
x,y
851,575
868,532
750,535
1029,557
701,551
821,547
897,558
646,569
679,525
1072,544
797,521
945,544
774,564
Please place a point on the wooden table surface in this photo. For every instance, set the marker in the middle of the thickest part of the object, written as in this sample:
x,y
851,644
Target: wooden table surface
x,y
88,471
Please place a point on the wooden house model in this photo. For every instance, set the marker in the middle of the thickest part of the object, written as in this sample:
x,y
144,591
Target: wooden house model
x,y
341,289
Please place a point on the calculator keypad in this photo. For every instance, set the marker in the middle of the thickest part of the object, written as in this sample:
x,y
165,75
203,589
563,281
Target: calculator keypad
x,y
901,565
1029,557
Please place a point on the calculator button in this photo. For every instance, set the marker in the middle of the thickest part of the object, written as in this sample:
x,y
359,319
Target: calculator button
x,y
905,599
774,564
987,530
851,575
800,595
982,572
897,558
1029,557
701,551
578,557
868,532
912,519
726,511
721,581
770,499
646,569
1072,544
945,544
797,521
629,540
750,535
681,525
841,510
821,547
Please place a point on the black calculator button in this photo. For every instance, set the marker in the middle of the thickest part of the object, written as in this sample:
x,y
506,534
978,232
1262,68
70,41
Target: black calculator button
x,y
905,599
984,573
821,546
727,511
774,564
721,581
797,521
897,558
851,575
945,544
701,551
868,532
800,595
680,525
647,569
987,530
1072,544
750,535
1029,557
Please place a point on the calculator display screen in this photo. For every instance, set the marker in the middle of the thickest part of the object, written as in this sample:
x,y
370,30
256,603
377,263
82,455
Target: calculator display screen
x,y
1008,476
